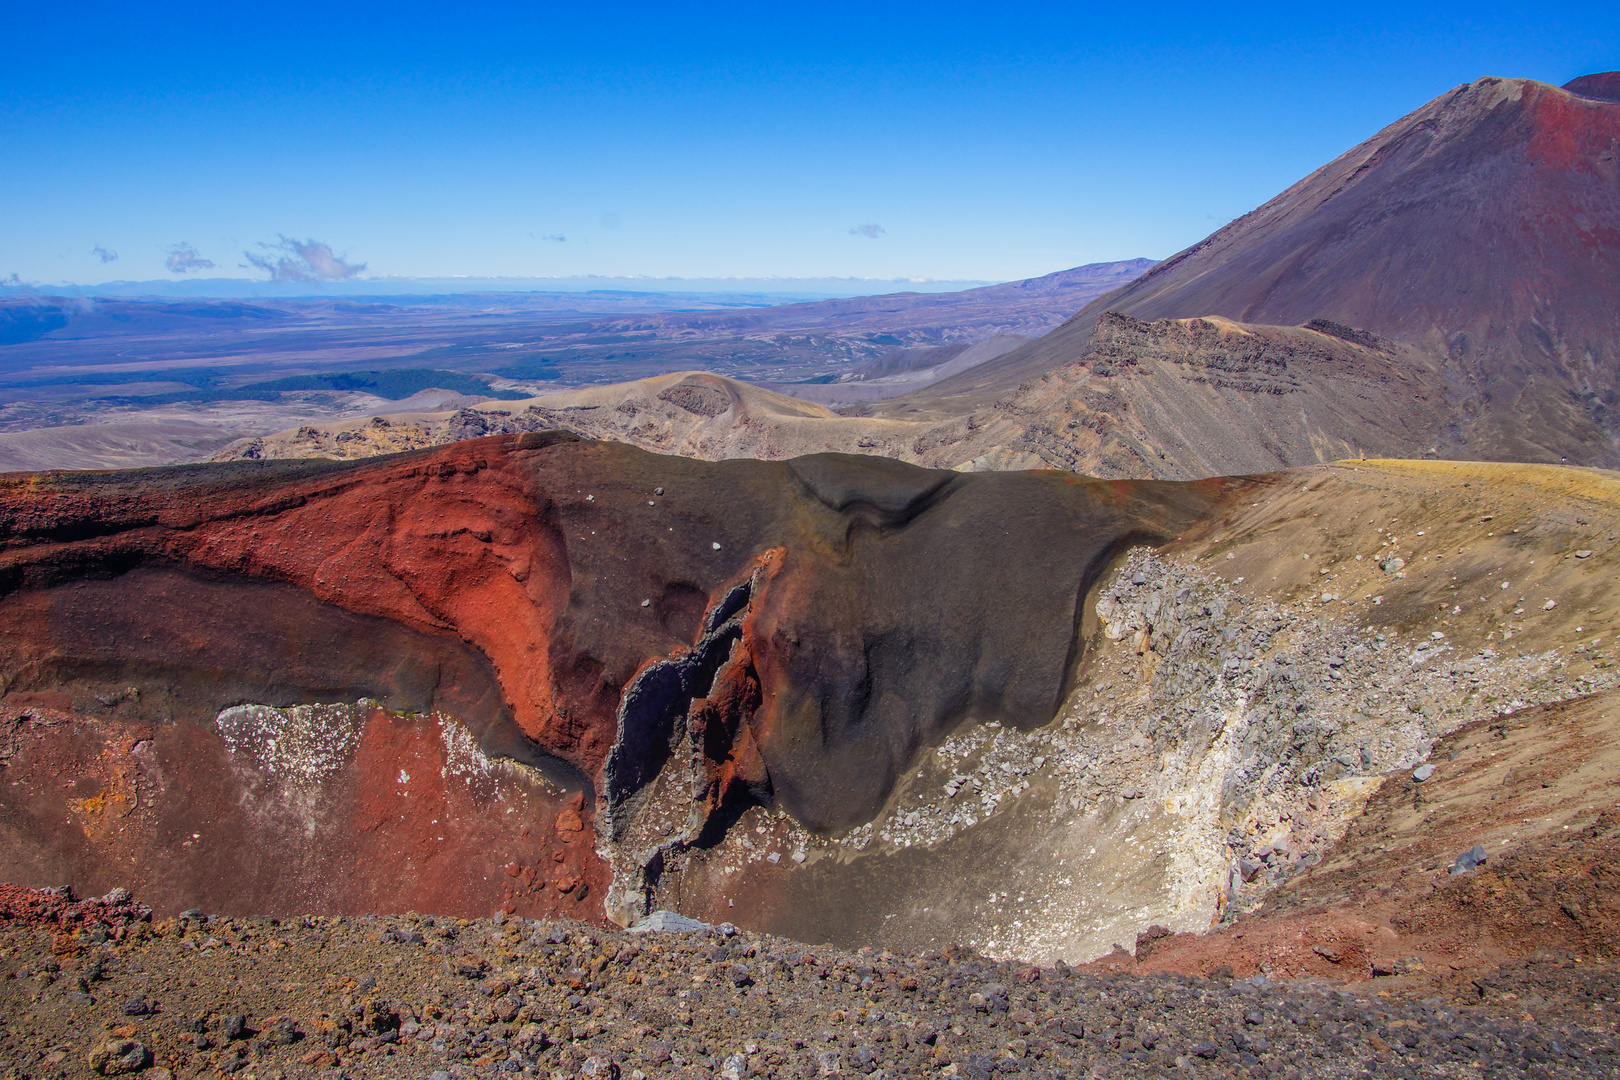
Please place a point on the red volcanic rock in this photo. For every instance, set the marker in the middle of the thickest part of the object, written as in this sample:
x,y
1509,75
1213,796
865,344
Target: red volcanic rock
x,y
1602,86
522,621
407,820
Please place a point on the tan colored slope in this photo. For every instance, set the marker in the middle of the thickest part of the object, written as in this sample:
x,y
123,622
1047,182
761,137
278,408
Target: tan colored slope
x,y
692,414
1257,691
1188,398
1535,790
1177,399
129,444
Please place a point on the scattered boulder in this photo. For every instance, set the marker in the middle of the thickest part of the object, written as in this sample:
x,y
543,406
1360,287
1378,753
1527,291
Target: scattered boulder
x,y
281,1031
116,1057
668,922
1328,953
1146,940
1468,860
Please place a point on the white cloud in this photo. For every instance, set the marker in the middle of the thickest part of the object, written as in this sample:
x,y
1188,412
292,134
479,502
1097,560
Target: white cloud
x,y
183,259
310,260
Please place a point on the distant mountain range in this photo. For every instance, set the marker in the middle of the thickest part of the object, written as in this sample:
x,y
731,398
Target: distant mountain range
x,y
67,361
1448,288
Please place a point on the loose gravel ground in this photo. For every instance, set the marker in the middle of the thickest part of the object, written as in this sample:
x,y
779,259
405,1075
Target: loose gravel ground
x,y
98,987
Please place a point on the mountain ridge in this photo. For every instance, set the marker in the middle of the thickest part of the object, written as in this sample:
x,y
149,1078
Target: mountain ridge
x,y
1482,228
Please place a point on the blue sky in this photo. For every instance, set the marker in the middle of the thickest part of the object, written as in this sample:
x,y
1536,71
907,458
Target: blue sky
x,y
984,142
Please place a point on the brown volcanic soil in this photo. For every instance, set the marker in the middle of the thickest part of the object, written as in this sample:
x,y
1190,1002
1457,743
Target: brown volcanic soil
x,y
96,984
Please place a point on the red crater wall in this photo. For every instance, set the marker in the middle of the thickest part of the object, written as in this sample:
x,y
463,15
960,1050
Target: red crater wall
x,y
495,617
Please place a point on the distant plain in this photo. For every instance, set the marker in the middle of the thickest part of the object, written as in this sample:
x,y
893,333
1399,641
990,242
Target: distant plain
x,y
116,383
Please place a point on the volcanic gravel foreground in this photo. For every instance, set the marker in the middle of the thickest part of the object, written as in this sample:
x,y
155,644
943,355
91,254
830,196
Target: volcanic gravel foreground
x,y
98,986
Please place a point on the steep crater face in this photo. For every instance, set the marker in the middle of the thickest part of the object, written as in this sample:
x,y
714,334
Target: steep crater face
x,y
655,634
159,643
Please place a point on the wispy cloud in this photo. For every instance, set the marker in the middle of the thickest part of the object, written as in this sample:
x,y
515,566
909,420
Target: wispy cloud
x,y
871,232
309,260
183,259
104,255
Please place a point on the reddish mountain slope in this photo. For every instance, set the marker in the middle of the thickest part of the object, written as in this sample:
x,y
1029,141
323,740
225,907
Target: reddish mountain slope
x,y
1483,228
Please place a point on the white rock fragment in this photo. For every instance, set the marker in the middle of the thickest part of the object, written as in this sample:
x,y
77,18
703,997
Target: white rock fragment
x,y
667,922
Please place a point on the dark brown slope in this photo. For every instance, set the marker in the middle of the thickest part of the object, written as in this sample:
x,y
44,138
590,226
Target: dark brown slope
x,y
1484,229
